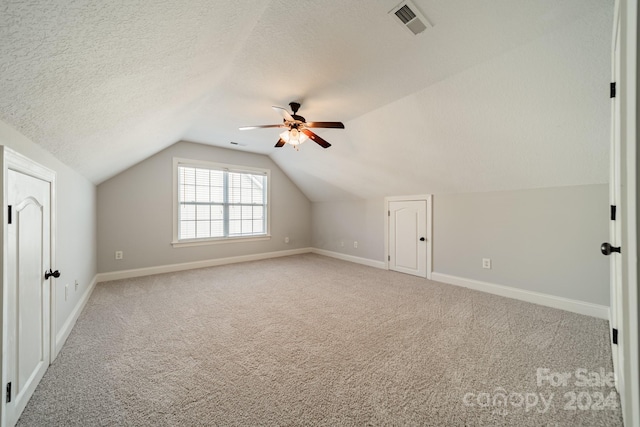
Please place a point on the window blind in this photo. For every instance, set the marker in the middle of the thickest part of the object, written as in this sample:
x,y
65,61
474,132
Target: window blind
x,y
219,203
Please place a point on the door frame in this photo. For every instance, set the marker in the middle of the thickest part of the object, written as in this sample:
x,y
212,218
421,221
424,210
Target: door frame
x,y
416,198
630,366
615,199
628,301
12,160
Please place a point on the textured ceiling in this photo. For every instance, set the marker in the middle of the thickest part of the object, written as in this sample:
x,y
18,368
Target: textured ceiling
x,y
499,94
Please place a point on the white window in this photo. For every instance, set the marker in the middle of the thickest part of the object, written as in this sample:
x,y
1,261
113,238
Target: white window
x,y
217,202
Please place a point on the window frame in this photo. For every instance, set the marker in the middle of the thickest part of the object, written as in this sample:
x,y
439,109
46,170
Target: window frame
x,y
178,162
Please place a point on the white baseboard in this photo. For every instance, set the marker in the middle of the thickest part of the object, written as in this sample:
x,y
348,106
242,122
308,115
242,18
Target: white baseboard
x,y
350,258
170,268
575,306
65,330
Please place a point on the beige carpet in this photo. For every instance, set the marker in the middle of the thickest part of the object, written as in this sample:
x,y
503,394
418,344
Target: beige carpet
x,y
310,340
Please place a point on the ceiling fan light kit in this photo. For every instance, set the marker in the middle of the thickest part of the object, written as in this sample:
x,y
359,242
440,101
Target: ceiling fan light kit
x,y
293,137
297,128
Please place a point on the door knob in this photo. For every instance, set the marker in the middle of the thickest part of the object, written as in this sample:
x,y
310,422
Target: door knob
x,y
422,239
50,273
607,249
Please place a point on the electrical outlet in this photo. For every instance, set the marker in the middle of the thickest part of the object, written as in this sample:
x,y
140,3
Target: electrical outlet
x,y
342,243
286,240
486,263
66,291
119,255
355,244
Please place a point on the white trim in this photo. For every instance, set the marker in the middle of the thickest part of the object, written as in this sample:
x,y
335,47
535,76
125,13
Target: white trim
x,y
629,360
574,306
350,258
180,161
20,163
219,166
615,227
66,329
221,240
630,392
170,268
418,197
12,160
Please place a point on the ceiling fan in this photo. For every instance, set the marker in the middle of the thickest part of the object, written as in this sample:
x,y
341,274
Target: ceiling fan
x,y
298,129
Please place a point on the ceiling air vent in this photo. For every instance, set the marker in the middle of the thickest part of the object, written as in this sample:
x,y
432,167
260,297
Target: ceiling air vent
x,y
408,15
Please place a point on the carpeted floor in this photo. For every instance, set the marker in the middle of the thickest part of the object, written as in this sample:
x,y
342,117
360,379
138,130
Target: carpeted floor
x,y
310,340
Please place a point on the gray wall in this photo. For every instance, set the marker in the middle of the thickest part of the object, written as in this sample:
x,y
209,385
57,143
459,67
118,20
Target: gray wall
x,y
333,223
135,212
544,240
76,223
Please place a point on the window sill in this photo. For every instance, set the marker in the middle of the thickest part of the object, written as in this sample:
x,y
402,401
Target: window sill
x,y
204,242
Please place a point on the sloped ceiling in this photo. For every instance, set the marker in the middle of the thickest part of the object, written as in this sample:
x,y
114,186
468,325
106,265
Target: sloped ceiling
x,y
499,94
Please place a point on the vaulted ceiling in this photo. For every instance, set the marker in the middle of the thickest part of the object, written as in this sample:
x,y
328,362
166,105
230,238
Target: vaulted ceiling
x,y
499,94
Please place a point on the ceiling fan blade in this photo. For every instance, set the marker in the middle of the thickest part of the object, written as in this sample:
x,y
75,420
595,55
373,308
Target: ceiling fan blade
x,y
315,138
262,126
332,125
280,143
284,113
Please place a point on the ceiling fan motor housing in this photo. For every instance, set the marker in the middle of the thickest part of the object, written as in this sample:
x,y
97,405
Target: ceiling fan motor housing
x,y
295,106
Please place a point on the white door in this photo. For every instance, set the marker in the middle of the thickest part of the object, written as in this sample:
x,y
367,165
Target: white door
x,y
28,293
615,193
408,237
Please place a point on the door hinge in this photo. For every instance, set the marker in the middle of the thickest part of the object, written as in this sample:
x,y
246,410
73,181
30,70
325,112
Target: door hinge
x,y
388,213
9,214
614,337
8,392
612,90
389,258
613,212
